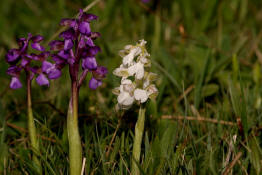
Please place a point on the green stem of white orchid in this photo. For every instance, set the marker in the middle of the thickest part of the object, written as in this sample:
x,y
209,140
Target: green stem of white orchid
x,y
31,126
75,148
139,130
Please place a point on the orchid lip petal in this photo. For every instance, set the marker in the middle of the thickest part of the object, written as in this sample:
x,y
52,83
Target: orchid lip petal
x,y
68,44
71,61
140,95
15,83
125,99
37,46
82,43
24,62
46,66
94,50
90,42
100,72
12,55
63,54
84,28
94,83
54,74
89,63
42,80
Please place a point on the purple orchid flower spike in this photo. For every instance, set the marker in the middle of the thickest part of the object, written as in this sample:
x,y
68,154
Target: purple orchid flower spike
x,y
76,48
20,60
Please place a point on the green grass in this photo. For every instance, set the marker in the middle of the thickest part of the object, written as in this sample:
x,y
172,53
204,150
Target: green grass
x,y
218,54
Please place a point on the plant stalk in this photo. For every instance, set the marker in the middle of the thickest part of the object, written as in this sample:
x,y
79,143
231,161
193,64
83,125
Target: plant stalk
x,y
75,149
31,124
139,130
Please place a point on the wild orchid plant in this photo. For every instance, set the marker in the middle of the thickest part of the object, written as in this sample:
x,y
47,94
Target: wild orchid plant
x,y
32,64
136,86
77,48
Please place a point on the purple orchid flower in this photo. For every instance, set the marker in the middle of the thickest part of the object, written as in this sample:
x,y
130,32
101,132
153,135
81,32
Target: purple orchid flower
x,y
20,60
77,48
98,75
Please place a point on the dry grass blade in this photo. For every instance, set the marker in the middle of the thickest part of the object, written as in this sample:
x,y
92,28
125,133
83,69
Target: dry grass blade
x,y
20,129
201,119
113,138
83,166
232,164
186,92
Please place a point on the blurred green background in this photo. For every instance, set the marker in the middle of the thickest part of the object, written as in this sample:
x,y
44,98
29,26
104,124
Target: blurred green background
x,y
208,57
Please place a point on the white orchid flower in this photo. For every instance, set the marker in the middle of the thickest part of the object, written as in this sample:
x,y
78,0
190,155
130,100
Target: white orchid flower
x,y
127,86
152,91
137,70
125,93
144,60
141,95
128,59
142,42
121,71
125,99
149,78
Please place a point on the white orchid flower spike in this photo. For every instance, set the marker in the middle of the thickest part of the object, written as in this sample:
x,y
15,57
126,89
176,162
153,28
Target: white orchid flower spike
x,y
137,82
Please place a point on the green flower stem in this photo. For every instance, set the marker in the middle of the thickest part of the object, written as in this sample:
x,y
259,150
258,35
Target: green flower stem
x,y
31,125
139,130
75,149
